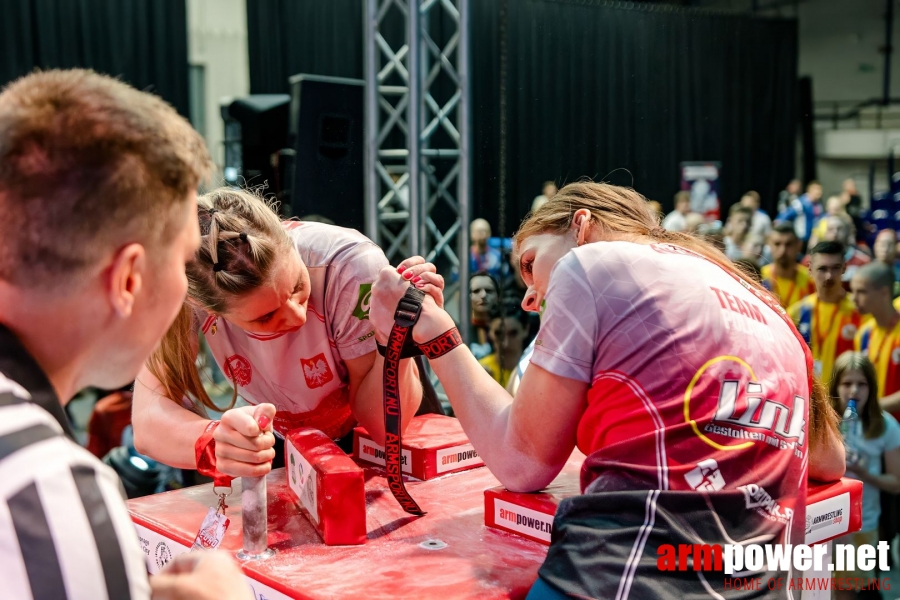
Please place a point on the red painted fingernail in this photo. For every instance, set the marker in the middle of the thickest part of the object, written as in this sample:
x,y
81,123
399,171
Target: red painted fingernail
x,y
420,285
401,268
263,422
408,274
416,279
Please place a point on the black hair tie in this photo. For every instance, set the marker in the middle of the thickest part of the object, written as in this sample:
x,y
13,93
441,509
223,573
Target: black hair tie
x,y
217,267
243,237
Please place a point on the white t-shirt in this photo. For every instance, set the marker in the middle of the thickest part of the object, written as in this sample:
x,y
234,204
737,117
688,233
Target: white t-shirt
x,y
761,224
872,450
304,373
674,221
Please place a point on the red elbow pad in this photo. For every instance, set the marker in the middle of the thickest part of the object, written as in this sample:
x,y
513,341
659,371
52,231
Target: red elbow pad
x,y
205,453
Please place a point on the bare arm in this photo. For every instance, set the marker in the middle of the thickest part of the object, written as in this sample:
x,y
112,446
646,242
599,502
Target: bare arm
x,y
826,457
524,441
366,391
826,446
163,429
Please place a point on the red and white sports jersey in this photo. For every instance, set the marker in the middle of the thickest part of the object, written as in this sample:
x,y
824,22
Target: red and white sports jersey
x,y
303,373
696,383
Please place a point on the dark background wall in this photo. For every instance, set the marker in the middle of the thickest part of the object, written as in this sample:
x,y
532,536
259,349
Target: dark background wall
x,y
592,90
144,42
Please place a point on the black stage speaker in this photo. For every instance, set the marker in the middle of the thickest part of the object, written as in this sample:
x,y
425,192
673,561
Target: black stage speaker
x,y
327,134
263,120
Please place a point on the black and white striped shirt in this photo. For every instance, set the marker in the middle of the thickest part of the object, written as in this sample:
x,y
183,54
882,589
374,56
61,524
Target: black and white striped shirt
x,y
64,528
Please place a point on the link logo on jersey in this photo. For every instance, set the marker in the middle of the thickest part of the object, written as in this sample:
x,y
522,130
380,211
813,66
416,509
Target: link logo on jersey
x,y
238,370
316,371
743,409
361,311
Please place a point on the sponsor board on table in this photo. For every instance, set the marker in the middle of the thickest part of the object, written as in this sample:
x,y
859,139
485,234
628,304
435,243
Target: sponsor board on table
x,y
456,457
373,453
828,518
157,546
523,520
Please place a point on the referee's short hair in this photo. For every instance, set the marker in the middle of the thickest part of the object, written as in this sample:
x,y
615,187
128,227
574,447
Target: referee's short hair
x,y
87,164
879,274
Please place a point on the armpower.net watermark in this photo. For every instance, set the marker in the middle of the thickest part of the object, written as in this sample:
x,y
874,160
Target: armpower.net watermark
x,y
742,563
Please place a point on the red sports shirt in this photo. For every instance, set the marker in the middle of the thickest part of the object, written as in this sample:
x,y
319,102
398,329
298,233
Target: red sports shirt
x,y
696,383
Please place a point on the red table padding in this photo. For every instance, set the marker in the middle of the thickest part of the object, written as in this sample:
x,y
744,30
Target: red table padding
x,y
469,560
446,554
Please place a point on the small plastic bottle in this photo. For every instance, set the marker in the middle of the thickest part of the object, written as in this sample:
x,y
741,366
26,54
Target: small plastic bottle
x,y
850,430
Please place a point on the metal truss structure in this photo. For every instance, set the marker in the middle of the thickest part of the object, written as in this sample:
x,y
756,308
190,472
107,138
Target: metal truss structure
x,y
418,174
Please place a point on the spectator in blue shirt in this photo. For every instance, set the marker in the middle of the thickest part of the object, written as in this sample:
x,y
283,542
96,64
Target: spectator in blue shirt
x,y
481,256
805,211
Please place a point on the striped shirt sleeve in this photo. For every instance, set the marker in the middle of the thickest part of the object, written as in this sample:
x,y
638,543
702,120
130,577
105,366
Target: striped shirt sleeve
x,y
64,529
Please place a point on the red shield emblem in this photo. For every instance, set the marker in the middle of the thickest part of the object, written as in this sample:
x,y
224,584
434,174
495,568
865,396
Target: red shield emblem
x,y
316,371
238,370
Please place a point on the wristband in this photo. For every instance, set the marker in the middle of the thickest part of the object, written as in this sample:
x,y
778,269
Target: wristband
x,y
205,453
442,344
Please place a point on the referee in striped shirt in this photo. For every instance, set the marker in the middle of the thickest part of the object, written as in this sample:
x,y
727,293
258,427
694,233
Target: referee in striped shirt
x,y
98,203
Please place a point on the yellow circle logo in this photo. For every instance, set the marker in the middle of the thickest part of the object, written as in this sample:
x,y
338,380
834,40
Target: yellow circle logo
x,y
690,389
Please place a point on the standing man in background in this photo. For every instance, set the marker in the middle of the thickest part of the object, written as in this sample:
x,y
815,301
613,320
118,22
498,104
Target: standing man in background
x,y
788,280
804,211
481,256
548,190
839,228
827,320
761,224
790,193
879,337
677,219
736,230
885,250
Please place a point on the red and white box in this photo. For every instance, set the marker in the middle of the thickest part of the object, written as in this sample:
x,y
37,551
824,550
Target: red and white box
x,y
529,515
833,509
330,487
433,445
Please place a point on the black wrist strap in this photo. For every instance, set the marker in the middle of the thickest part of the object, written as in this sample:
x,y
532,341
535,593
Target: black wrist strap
x,y
405,317
409,350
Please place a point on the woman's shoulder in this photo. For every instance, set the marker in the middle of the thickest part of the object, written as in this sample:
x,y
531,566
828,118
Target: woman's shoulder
x,y
320,244
890,437
890,422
